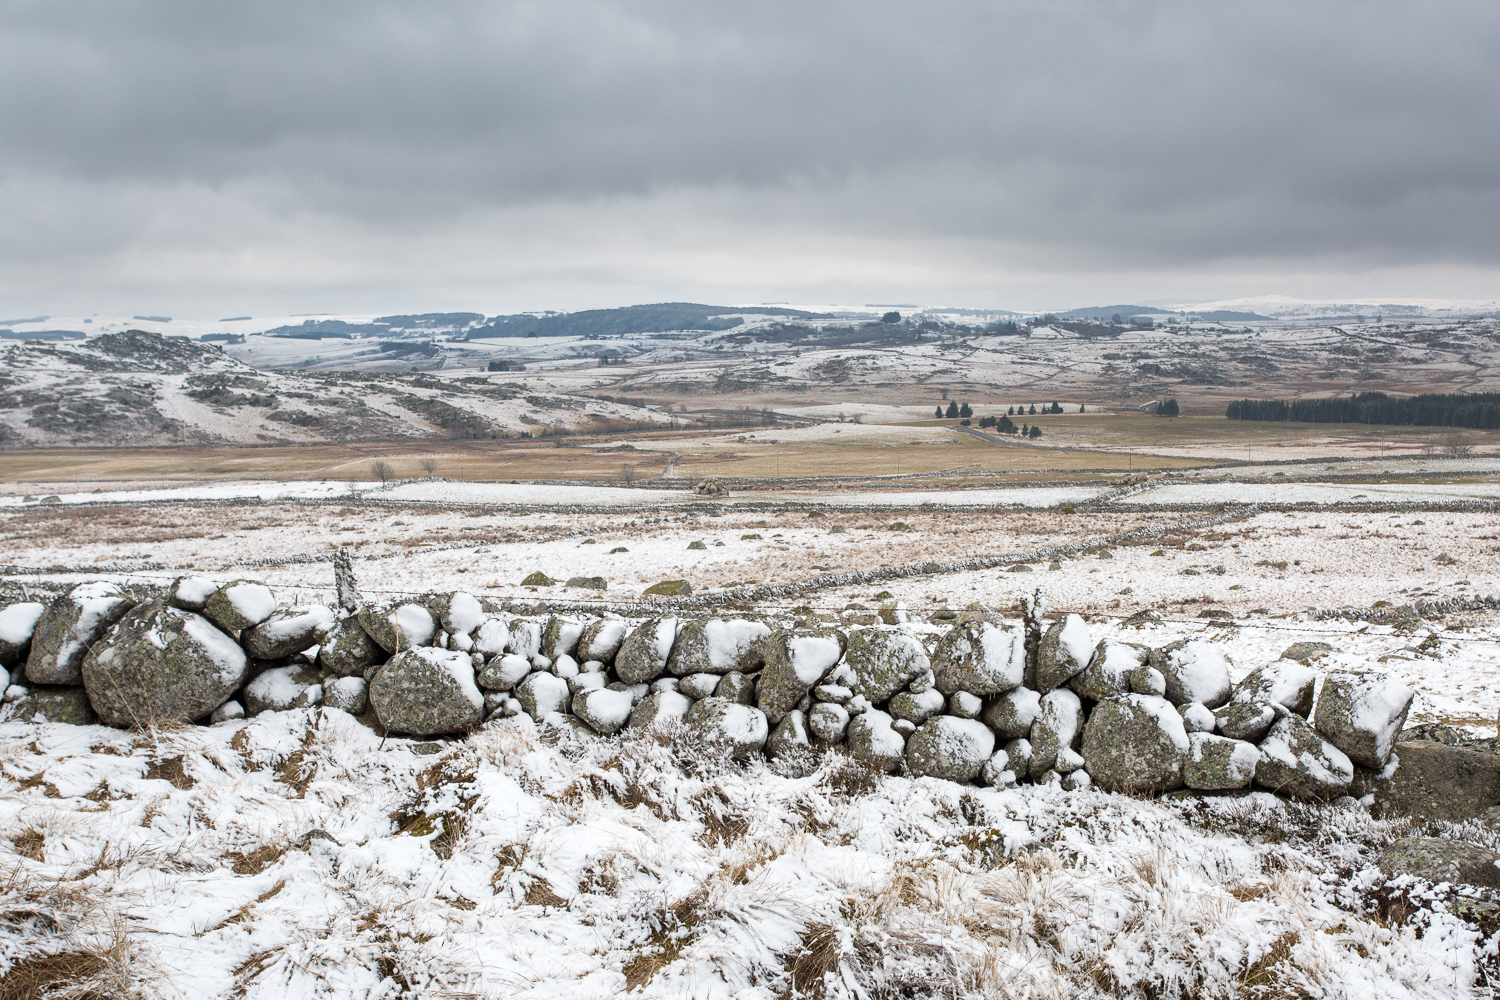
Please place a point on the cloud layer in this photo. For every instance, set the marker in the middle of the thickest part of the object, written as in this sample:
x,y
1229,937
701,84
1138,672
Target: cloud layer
x,y
559,154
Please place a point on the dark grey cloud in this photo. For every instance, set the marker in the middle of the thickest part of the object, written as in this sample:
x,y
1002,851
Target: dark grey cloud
x,y
209,140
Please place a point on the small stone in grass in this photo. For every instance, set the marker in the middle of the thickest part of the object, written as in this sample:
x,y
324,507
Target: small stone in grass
x,y
538,579
697,545
617,550
587,583
669,588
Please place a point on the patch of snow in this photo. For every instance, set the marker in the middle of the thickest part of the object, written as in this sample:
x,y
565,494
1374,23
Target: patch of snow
x,y
225,653
812,655
18,622
1075,640
252,600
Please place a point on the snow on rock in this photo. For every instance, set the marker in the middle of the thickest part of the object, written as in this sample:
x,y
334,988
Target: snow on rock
x,y
1296,761
560,636
659,707
350,694
1285,682
644,653
1012,714
428,691
464,614
794,662
717,646
69,626
601,639
1362,714
502,673
282,689
742,727
347,650
239,604
286,632
872,741
1194,670
1217,763
789,735
982,658
1064,653
1056,728
161,664
541,694
17,624
492,638
884,659
191,593
1135,743
1109,670
605,711
946,747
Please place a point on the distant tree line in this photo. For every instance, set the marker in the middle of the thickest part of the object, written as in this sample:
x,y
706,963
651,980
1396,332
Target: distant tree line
x,y
1465,409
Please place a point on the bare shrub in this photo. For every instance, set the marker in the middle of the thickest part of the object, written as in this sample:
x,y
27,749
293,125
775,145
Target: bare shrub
x,y
1458,446
428,465
628,472
381,470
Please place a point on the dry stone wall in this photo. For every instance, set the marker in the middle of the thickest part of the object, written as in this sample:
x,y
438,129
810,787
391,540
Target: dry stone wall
x,y
981,698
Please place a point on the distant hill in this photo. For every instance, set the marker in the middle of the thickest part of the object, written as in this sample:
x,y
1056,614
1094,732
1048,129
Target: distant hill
x,y
1105,313
662,317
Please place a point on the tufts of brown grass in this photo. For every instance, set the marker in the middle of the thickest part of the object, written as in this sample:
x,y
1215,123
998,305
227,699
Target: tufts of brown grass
x,y
819,956
30,843
672,930
172,770
1263,979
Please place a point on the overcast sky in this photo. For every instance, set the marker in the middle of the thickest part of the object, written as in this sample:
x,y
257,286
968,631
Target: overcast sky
x,y
197,157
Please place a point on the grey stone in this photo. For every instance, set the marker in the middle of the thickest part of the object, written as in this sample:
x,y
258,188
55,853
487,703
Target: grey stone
x,y
1020,754
717,646
587,582
996,771
980,657
408,625
1198,719
790,733
795,660
659,706
351,694
348,650
161,664
601,639
916,708
698,686
17,625
832,692
828,722
964,705
743,726
1147,680
1076,781
644,653
1283,683
1217,763
71,624
281,689
68,705
227,712
1438,860
541,694
1194,670
735,686
1362,714
287,632
1108,673
1296,761
1012,714
239,604
884,660
1432,780
1136,743
501,673
1063,653
605,711
1245,720
560,636
1056,728
190,593
427,691
872,740
1306,652
945,747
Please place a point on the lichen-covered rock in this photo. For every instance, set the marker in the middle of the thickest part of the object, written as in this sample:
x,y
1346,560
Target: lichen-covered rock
x,y
743,726
605,711
71,624
1063,653
162,664
717,646
541,694
428,691
601,639
282,689
525,638
884,660
916,706
1198,718
1362,714
645,652
560,637
945,747
230,711
1012,714
996,771
1284,682
1147,680
697,686
17,625
239,604
980,657
1020,754
790,733
350,694
287,632
1245,720
735,686
1136,743
659,706
1194,670
1217,763
492,637
45,703
1305,653
669,588
1438,860
828,722
1056,728
501,673
348,650
191,593
403,627
872,740
461,613
1108,673
1296,761
1432,780
795,660
537,579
